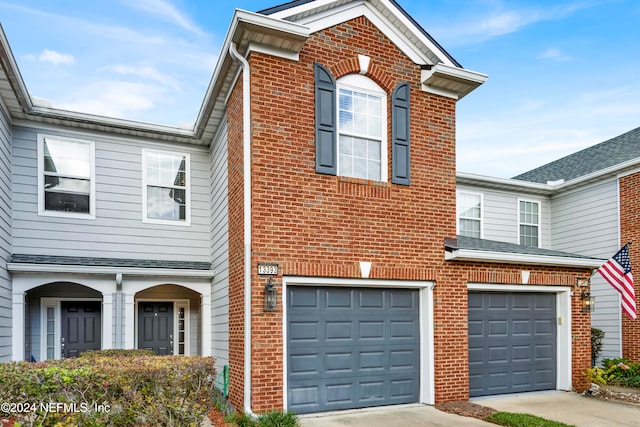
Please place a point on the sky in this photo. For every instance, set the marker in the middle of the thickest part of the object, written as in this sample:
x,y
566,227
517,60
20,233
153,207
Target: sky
x,y
563,75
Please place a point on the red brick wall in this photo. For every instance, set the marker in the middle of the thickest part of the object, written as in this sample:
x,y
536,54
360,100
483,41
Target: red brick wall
x,y
320,225
630,231
236,247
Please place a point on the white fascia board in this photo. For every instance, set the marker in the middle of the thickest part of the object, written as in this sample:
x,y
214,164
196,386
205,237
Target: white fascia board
x,y
240,17
475,179
125,271
448,79
330,16
514,258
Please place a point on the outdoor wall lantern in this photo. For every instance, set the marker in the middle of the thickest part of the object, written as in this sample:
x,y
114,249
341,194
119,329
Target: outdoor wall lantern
x,y
588,302
270,290
270,296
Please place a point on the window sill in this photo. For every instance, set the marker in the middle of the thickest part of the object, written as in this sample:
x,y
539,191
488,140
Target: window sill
x,y
363,187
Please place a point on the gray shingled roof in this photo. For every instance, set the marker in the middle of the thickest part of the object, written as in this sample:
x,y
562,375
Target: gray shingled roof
x,y
474,244
614,151
109,262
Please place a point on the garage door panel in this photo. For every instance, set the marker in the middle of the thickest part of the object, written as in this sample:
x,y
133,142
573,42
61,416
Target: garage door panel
x,y
306,298
515,348
364,354
338,298
304,331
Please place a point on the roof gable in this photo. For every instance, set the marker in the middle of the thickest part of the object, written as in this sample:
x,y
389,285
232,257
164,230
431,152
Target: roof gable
x,y
387,15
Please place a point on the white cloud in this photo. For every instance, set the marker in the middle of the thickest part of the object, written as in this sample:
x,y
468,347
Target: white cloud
x,y
112,98
168,12
145,72
506,145
56,58
479,25
554,55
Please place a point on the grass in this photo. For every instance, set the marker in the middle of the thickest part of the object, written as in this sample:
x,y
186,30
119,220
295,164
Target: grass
x,y
510,419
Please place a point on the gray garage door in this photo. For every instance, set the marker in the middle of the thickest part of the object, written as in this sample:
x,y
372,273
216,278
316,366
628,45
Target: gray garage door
x,y
512,342
351,348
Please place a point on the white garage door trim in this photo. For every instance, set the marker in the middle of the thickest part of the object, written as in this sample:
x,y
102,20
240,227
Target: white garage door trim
x,y
427,385
563,311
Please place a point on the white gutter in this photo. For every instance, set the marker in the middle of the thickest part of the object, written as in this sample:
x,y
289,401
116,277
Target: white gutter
x,y
246,135
16,267
513,258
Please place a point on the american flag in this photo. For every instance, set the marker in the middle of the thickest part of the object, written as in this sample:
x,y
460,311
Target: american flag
x,y
617,271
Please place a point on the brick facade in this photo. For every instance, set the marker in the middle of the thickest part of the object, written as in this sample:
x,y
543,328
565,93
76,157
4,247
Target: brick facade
x,y
630,232
321,225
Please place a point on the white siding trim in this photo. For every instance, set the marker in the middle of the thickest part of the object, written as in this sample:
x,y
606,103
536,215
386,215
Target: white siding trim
x,y
427,362
563,323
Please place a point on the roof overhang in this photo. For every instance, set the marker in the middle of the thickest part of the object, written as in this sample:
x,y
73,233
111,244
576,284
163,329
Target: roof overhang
x,y
514,258
452,82
106,270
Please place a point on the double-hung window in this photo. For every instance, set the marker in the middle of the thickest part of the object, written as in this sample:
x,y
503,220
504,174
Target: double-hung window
x,y
351,128
362,113
529,223
469,206
166,188
66,177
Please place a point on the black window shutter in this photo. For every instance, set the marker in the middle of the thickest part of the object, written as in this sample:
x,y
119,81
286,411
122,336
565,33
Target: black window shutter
x,y
326,129
401,153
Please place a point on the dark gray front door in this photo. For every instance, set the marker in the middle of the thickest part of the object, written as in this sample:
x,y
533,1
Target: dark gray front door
x,y
80,327
155,327
512,342
351,347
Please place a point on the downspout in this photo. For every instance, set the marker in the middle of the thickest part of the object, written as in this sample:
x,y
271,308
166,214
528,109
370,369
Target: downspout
x,y
246,148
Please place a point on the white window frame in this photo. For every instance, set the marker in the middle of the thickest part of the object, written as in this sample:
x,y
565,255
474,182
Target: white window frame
x,y
362,84
458,216
145,218
539,224
41,193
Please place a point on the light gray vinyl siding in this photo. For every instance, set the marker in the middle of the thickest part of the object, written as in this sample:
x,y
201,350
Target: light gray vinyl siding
x,y
220,250
117,230
5,234
585,221
500,214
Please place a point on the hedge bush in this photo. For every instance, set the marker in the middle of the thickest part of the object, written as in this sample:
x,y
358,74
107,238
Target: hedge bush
x,y
108,388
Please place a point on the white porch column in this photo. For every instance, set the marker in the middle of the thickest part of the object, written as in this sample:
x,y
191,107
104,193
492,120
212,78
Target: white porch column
x,y
129,321
17,333
107,321
205,315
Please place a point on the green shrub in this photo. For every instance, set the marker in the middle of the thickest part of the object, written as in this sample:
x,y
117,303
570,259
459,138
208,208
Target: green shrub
x,y
510,419
100,390
270,419
116,353
597,376
278,419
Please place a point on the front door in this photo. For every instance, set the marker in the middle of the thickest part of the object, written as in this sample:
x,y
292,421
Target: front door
x,y
80,327
155,327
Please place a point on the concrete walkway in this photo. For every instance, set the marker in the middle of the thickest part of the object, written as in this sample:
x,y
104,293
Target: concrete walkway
x,y
570,408
390,416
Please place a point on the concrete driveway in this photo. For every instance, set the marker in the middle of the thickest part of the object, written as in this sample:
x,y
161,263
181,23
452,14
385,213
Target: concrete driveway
x,y
568,407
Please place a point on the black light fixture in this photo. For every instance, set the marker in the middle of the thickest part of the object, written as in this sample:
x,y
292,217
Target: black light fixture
x,y
270,296
588,302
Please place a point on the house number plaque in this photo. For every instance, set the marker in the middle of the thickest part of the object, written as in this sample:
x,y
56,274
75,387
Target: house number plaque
x,y
267,269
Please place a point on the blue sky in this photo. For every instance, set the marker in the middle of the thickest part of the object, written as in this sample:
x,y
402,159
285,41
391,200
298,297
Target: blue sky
x,y
562,74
